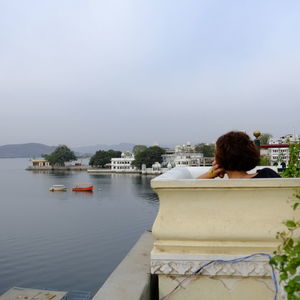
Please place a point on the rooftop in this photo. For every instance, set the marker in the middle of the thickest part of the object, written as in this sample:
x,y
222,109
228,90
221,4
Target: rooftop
x,y
17,293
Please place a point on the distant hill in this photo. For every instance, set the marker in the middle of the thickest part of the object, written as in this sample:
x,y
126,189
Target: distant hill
x,y
119,147
25,150
31,150
92,149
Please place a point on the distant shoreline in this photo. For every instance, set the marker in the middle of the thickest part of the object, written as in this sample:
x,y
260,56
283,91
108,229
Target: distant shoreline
x,y
93,171
99,171
66,168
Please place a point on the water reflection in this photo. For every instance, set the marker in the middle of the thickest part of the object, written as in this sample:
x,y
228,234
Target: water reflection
x,y
147,193
80,237
150,197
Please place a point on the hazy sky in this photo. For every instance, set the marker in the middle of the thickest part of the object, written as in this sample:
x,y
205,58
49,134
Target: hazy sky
x,y
83,72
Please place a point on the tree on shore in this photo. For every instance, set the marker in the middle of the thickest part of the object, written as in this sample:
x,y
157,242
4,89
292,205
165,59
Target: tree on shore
x,y
208,150
148,156
264,138
102,157
138,148
264,160
60,155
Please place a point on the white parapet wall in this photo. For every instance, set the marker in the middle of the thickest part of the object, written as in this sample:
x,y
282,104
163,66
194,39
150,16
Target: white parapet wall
x,y
228,226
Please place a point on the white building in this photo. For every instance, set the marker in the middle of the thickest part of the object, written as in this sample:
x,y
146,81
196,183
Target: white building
x,y
278,148
183,156
123,163
284,139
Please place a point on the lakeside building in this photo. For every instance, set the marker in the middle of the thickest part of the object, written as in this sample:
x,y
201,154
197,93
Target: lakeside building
x,y
42,164
278,149
183,156
38,163
123,163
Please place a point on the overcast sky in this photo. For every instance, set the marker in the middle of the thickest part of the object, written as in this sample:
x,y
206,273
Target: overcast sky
x,y
85,72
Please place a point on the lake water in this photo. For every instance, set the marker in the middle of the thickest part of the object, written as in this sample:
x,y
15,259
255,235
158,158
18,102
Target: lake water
x,y
68,240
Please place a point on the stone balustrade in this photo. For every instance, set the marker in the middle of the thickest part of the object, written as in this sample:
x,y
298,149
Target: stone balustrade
x,y
222,220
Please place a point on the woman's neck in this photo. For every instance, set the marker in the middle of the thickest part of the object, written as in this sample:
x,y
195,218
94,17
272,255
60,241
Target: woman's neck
x,y
239,174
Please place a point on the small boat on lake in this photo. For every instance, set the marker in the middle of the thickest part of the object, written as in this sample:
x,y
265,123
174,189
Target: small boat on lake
x,y
57,188
82,187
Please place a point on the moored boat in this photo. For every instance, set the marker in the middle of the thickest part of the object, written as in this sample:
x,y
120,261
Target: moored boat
x,y
82,187
57,188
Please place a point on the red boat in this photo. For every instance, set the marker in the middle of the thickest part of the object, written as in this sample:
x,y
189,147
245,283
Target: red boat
x,y
82,187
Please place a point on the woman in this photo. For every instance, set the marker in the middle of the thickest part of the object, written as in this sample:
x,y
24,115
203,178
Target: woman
x,y
235,155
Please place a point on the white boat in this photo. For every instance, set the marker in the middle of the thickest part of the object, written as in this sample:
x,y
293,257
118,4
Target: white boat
x,y
57,187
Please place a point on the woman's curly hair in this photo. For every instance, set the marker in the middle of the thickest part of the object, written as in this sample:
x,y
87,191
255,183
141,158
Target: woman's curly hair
x,y
236,152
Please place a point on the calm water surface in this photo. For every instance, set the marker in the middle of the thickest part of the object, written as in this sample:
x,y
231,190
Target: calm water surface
x,y
68,240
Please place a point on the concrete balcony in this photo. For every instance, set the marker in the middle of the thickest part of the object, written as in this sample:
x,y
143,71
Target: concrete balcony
x,y
217,224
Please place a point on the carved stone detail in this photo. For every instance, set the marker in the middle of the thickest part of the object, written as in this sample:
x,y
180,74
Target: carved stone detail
x,y
230,282
181,267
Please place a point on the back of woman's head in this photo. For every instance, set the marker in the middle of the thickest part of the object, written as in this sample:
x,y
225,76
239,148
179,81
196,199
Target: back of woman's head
x,y
236,152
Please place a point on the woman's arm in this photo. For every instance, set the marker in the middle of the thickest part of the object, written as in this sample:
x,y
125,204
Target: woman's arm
x,y
214,171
